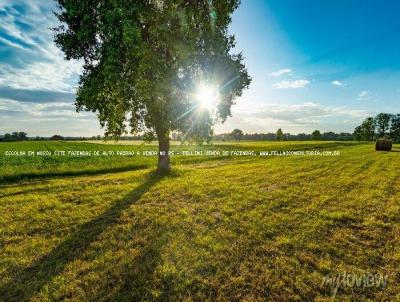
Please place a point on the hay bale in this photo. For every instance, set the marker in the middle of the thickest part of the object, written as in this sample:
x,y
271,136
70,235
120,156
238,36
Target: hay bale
x,y
383,144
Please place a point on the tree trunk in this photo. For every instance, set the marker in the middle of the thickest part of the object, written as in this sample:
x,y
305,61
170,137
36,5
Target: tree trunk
x,y
163,165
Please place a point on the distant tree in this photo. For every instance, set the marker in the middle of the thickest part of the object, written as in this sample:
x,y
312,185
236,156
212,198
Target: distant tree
x,y
344,136
316,135
382,123
237,134
358,133
6,137
144,60
395,128
368,127
303,137
330,136
22,136
279,135
56,137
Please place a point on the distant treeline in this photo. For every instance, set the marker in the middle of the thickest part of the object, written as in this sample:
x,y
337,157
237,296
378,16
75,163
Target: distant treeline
x,y
22,136
382,125
14,137
280,136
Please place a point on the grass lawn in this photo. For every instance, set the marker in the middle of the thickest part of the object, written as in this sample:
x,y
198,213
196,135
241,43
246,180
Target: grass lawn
x,y
226,229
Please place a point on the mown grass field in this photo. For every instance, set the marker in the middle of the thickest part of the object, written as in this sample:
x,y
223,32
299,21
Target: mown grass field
x,y
219,228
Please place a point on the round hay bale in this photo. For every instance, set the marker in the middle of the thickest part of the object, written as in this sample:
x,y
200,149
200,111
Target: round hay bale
x,y
383,144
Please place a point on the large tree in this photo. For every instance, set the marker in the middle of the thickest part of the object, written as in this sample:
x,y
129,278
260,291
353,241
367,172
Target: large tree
x,y
148,65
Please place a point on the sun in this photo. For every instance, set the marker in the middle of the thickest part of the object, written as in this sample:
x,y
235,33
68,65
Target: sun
x,y
207,97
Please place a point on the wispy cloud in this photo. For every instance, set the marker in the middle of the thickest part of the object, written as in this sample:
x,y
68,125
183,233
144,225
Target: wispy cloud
x,y
337,83
291,84
33,61
363,95
281,72
48,110
35,96
36,84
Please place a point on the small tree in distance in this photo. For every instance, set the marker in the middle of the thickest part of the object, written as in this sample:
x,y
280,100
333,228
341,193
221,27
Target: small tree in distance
x,y
316,135
279,135
56,137
237,134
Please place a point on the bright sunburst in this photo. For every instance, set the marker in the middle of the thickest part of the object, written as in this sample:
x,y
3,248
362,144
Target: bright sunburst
x,y
207,97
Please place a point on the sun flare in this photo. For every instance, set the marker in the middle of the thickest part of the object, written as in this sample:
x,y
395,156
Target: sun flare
x,y
207,97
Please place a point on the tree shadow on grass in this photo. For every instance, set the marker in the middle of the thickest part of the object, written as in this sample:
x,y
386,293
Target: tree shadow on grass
x,y
9,179
32,279
138,279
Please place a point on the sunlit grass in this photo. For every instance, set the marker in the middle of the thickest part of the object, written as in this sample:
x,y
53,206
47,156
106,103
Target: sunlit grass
x,y
234,229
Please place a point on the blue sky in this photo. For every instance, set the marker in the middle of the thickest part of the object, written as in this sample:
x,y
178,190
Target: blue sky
x,y
315,65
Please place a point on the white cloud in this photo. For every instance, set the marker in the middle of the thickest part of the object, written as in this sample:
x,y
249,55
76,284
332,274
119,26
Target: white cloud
x,y
281,72
35,110
36,63
291,84
55,75
363,95
46,119
337,83
294,118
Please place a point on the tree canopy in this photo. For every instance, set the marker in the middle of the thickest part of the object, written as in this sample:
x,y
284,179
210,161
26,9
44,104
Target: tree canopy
x,y
143,61
237,134
382,125
316,135
279,135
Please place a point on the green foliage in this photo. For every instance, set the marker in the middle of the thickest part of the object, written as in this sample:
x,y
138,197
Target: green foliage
x,y
382,123
316,135
14,137
56,137
366,131
237,134
395,128
279,135
143,60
